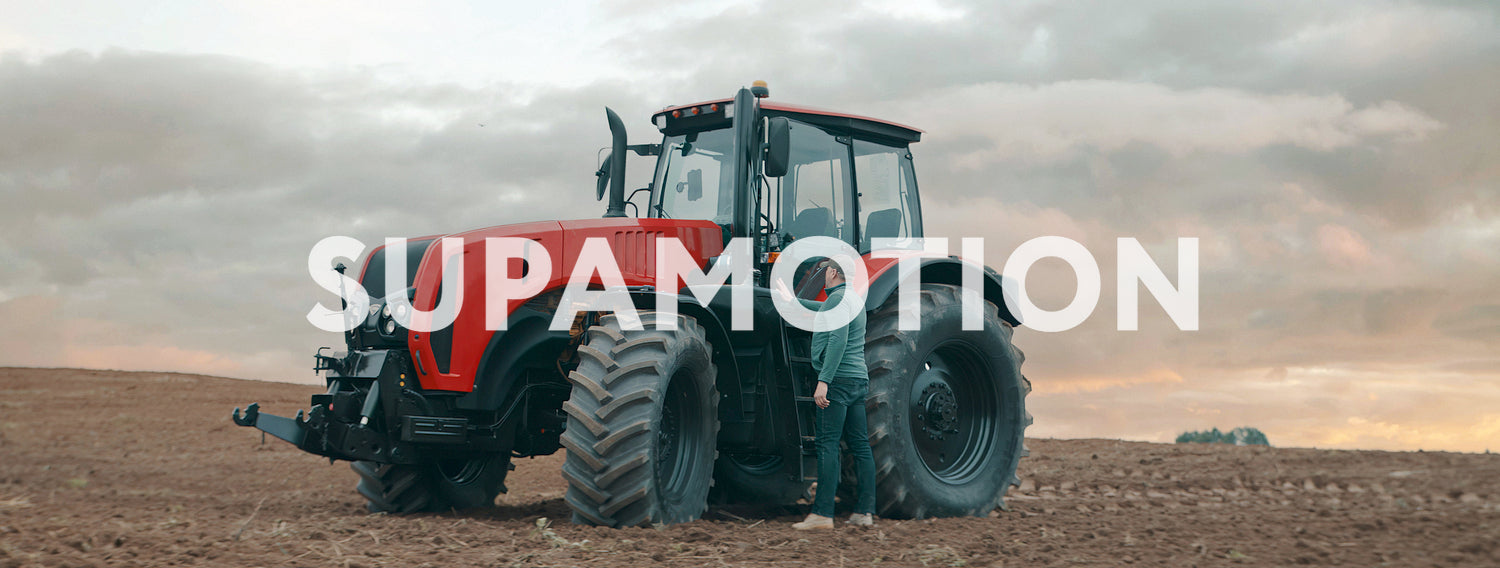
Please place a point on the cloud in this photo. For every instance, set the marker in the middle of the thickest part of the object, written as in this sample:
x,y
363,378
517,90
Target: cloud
x,y
1478,322
1397,139
1390,32
1338,162
1052,121
172,200
35,340
1342,246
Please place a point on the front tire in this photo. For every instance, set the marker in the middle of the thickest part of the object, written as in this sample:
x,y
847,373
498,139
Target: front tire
x,y
947,409
643,424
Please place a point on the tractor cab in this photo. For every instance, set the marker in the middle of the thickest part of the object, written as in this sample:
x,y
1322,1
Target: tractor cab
x,y
780,172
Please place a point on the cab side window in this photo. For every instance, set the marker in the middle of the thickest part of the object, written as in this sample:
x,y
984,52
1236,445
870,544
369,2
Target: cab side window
x,y
887,204
814,193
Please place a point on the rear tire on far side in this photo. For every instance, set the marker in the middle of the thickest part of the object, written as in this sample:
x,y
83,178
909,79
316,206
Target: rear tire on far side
x,y
434,487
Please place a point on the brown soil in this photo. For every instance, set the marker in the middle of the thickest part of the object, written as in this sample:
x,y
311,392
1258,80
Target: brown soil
x,y
102,468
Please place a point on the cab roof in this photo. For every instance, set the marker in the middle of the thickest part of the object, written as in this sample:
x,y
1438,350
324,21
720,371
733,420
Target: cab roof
x,y
813,115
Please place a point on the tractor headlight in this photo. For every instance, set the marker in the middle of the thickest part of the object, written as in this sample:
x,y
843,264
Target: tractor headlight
x,y
386,311
373,319
390,326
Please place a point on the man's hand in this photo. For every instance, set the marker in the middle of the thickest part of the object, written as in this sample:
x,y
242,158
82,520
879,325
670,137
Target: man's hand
x,y
779,288
820,396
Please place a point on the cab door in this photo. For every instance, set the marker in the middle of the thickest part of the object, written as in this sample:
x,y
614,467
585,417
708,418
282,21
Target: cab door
x,y
815,194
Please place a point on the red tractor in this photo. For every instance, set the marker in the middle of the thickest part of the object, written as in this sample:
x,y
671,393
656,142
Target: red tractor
x,y
658,422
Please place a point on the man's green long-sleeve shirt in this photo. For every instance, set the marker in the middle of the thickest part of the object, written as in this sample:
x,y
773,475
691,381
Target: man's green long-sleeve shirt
x,y
839,352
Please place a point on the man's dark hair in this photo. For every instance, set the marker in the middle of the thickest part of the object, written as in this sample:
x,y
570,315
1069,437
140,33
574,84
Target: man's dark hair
x,y
828,264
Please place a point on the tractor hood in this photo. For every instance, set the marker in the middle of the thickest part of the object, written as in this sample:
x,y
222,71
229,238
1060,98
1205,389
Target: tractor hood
x,y
444,364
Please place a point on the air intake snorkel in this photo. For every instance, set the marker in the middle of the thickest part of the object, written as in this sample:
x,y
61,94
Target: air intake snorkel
x,y
614,166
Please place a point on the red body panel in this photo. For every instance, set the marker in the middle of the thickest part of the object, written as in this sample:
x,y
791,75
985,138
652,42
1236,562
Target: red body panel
x,y
877,266
632,240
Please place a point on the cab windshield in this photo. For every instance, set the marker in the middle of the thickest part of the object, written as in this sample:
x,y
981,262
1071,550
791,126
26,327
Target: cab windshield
x,y
695,177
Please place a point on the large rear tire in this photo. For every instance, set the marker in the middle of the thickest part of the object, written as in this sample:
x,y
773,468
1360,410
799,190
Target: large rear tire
x,y
759,480
434,487
947,409
643,424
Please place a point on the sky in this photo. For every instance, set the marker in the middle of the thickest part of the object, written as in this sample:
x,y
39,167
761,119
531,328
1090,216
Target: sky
x,y
165,168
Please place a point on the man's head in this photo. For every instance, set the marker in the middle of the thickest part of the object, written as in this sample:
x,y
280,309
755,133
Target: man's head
x,y
832,274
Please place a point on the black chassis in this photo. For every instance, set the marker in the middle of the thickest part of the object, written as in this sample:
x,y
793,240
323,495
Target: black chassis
x,y
373,411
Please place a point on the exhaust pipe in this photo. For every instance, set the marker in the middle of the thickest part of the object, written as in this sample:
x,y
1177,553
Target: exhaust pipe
x,y
616,206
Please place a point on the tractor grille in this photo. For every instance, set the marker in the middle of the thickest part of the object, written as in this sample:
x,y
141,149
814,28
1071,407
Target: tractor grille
x,y
373,277
635,251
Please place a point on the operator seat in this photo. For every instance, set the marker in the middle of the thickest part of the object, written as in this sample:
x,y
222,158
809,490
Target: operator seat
x,y
885,223
812,222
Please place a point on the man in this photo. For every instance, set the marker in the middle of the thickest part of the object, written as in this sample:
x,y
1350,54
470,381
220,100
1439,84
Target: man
x,y
838,356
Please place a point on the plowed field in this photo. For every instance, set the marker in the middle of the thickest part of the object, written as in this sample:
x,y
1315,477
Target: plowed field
x,y
102,468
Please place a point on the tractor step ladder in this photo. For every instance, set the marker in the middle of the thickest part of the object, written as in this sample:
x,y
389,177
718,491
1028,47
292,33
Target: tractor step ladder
x,y
803,377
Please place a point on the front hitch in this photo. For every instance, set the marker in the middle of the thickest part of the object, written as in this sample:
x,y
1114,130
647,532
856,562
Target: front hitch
x,y
319,432
290,429
369,414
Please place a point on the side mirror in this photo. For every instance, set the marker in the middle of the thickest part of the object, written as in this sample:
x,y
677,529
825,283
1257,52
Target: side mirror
x,y
778,146
694,185
603,182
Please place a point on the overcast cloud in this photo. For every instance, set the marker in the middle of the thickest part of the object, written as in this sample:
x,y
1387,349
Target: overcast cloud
x,y
166,169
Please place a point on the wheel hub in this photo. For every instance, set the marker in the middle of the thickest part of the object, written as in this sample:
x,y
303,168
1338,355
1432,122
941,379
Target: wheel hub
x,y
954,409
937,408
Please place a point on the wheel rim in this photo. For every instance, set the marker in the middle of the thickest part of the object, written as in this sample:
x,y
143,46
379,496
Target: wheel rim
x,y
954,410
460,472
678,441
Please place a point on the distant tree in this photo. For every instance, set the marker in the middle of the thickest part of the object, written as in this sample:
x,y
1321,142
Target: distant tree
x,y
1243,436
